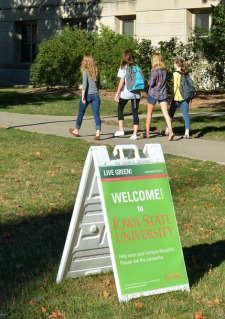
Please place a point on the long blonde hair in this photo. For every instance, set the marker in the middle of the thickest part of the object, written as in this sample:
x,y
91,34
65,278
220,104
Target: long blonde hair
x,y
90,66
158,62
182,64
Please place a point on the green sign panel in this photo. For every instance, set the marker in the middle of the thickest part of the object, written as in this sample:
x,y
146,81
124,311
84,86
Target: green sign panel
x,y
143,229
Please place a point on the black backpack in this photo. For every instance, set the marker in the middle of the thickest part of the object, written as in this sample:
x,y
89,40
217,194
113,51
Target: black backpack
x,y
187,89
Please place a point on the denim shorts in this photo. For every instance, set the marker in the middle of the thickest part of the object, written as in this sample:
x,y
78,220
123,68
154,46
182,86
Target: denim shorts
x,y
151,100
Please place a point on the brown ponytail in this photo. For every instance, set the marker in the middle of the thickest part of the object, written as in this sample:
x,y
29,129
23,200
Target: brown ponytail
x,y
182,64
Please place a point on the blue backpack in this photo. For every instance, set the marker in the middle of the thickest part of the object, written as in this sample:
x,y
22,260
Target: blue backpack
x,y
135,79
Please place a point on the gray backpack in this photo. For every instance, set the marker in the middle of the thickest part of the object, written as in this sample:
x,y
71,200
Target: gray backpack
x,y
187,89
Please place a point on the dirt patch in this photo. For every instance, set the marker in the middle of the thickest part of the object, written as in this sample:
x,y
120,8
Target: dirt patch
x,y
205,99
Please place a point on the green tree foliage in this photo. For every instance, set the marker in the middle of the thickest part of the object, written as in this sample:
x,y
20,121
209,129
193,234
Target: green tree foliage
x,y
107,51
210,46
59,58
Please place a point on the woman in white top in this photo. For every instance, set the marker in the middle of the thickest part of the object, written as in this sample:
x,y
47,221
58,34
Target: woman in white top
x,y
123,96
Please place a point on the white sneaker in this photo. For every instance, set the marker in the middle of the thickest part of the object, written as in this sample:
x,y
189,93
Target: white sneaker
x,y
119,133
133,137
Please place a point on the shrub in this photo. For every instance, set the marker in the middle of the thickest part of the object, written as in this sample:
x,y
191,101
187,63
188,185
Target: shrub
x,y
59,58
107,51
210,47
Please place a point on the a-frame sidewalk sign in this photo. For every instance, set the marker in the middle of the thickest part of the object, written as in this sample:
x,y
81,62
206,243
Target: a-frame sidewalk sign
x,y
124,219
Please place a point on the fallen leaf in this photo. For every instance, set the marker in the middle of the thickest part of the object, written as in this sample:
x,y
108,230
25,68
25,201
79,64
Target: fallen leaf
x,y
32,303
59,314
1,197
198,315
105,294
198,302
54,315
138,305
45,279
218,300
179,190
188,225
210,304
208,205
201,229
107,282
17,180
43,309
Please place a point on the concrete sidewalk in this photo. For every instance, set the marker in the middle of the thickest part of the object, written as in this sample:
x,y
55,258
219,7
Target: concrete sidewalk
x,y
194,148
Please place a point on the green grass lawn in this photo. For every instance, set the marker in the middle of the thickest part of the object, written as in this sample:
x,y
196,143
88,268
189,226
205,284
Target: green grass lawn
x,y
39,179
207,127
17,101
12,100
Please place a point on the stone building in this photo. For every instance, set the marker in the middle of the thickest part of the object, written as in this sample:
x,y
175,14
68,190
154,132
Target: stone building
x,y
25,23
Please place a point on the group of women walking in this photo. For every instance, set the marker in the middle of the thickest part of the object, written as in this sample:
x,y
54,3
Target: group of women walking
x,y
157,93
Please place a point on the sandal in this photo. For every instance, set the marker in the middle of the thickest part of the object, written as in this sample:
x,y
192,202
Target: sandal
x,y
71,130
171,136
186,136
145,135
97,137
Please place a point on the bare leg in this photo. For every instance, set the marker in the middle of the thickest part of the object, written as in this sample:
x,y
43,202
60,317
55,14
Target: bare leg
x,y
164,108
135,129
97,133
121,125
150,109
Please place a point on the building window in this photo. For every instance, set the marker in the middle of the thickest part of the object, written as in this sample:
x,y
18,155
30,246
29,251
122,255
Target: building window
x,y
28,42
125,25
128,28
80,23
202,20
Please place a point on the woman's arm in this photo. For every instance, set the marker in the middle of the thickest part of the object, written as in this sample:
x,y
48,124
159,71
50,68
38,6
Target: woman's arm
x,y
176,78
121,84
84,86
153,77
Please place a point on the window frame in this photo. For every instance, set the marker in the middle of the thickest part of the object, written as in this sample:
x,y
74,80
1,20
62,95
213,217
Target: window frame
x,y
74,21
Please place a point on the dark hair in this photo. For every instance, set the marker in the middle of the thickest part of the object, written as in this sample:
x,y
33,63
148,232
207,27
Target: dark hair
x,y
126,59
182,64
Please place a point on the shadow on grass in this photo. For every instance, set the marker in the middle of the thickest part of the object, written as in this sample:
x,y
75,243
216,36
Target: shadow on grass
x,y
201,259
31,247
13,98
205,125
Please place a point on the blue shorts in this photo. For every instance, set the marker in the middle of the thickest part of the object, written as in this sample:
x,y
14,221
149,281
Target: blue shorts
x,y
151,100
